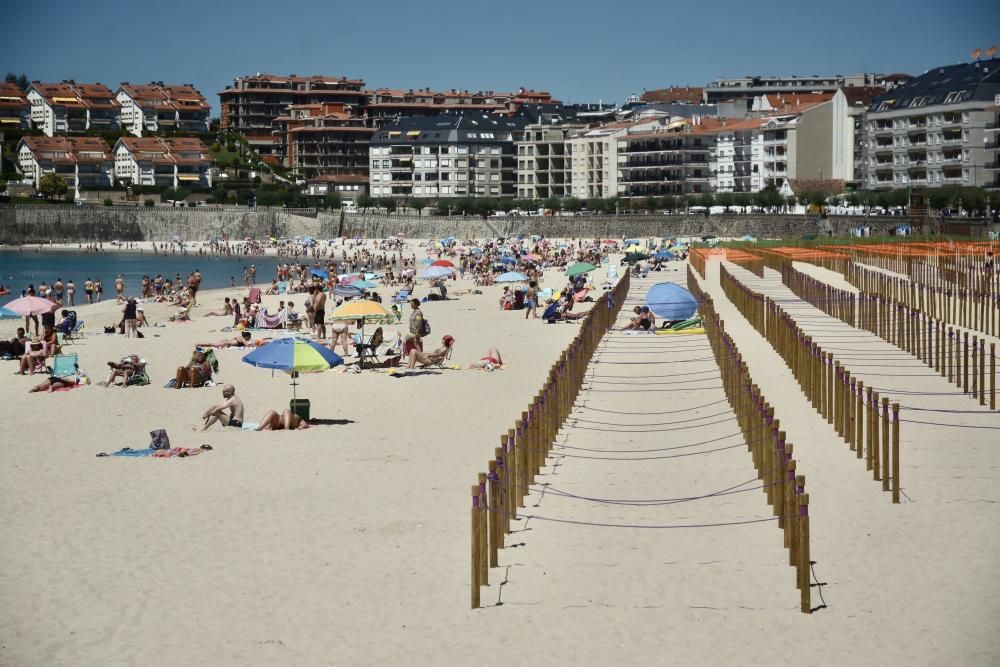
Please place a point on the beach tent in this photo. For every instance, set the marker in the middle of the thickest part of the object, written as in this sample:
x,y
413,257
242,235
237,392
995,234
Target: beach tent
x,y
665,254
671,301
435,272
320,273
512,277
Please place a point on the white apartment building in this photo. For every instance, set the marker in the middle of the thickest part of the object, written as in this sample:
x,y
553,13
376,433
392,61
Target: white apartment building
x,y
58,108
80,161
731,155
595,169
169,162
938,129
445,156
157,106
544,160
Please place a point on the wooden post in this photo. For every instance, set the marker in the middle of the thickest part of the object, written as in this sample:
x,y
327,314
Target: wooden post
x,y
788,509
503,522
858,420
895,452
869,427
993,376
982,372
885,444
804,557
965,362
484,566
493,508
876,419
475,583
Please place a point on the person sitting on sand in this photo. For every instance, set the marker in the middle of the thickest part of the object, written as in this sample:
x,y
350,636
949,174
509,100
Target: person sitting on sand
x,y
195,374
52,383
490,360
227,309
67,323
286,421
243,340
227,413
637,323
34,354
125,370
428,358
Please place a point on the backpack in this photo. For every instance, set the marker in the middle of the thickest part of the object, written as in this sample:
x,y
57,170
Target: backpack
x,y
159,439
425,330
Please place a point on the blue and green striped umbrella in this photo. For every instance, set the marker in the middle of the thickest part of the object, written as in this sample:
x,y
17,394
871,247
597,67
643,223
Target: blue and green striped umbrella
x,y
293,355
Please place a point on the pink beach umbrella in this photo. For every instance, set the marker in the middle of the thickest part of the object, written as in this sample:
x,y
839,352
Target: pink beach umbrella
x,y
30,305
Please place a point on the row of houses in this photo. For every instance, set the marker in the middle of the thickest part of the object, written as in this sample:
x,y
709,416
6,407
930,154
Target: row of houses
x,y
71,107
87,162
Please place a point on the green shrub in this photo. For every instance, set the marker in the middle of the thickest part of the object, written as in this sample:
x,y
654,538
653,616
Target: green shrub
x,y
149,203
108,202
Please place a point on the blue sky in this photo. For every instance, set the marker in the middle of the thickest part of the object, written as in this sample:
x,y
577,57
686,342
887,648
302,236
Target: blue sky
x,y
580,51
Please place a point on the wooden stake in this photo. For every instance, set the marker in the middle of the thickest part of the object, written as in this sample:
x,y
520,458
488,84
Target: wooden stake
x,y
895,452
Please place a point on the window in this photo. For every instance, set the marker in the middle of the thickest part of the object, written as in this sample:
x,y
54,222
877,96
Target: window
x,y
918,102
445,162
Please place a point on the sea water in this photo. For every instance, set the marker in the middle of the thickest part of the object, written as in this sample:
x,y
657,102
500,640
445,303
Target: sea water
x,y
19,269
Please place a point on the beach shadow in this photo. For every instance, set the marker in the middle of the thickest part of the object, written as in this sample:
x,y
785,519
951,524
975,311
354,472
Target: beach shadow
x,y
404,374
331,422
818,585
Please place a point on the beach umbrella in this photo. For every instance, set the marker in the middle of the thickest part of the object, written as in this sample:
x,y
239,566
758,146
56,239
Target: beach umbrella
x,y
578,268
671,301
512,277
477,251
635,257
443,262
364,284
508,260
7,314
665,254
293,355
427,260
347,291
435,272
321,273
30,305
359,310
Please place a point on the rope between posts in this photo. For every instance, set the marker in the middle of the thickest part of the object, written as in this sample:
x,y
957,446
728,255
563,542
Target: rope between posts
x,y
577,522
662,412
646,458
731,414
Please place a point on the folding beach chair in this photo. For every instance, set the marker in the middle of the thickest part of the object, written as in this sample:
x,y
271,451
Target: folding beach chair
x,y
402,296
368,349
73,334
65,365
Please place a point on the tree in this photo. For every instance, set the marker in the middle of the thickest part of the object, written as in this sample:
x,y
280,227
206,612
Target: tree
x,y
572,204
108,201
332,200
706,199
388,203
365,202
11,78
52,185
418,205
22,82
668,203
3,185
724,199
551,203
651,203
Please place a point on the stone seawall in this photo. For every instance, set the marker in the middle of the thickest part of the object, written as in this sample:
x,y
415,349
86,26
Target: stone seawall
x,y
28,224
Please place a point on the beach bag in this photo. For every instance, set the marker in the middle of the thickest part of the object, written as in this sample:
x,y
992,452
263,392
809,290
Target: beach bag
x,y
159,439
109,330
425,329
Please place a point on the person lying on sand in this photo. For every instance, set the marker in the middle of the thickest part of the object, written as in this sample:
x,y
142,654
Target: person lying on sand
x,y
227,413
227,309
435,357
50,384
489,361
242,340
286,421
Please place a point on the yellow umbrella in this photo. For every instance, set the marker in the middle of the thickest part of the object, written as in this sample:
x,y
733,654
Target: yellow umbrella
x,y
359,310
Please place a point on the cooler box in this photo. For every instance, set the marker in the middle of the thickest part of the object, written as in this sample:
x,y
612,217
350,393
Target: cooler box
x,y
300,407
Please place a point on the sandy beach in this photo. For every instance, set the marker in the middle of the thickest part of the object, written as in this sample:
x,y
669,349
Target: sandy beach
x,y
348,543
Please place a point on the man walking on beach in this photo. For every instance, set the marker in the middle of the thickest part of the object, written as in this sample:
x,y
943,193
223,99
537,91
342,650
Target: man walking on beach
x,y
319,312
227,413
417,324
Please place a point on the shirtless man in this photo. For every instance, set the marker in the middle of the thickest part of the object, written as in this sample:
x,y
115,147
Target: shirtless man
x,y
319,313
227,413
120,288
88,289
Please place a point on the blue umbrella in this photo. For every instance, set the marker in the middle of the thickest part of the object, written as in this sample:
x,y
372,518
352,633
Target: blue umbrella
x,y
346,290
428,261
671,301
321,273
436,272
477,251
508,260
665,254
512,277
6,314
364,284
293,355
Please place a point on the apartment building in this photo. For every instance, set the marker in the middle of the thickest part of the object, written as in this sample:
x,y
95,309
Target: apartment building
x,y
673,95
58,108
937,129
83,162
749,87
731,162
544,162
445,156
669,156
349,186
156,107
314,139
251,105
992,145
15,111
170,162
386,104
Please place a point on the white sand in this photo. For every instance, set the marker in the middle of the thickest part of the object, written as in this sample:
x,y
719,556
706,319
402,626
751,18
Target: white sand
x,y
348,544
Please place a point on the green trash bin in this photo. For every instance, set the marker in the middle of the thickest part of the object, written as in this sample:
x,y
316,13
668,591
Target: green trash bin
x,y
300,407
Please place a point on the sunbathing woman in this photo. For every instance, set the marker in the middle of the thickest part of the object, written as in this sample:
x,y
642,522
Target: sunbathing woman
x,y
227,309
489,361
52,383
638,322
125,370
286,421
194,374
435,357
240,341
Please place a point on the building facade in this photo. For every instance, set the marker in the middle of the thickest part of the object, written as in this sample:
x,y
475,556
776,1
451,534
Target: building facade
x,y
251,105
748,87
349,186
15,111
59,108
156,107
544,160
934,130
83,162
445,156
668,157
315,139
168,162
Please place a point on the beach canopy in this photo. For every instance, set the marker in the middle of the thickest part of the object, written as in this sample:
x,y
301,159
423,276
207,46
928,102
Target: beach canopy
x,y
359,310
427,261
347,291
578,268
6,314
293,354
321,273
435,272
364,284
443,262
665,254
512,277
635,257
671,301
508,260
30,305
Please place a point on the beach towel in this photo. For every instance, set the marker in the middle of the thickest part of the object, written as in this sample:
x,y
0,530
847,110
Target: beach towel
x,y
250,426
175,452
266,321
